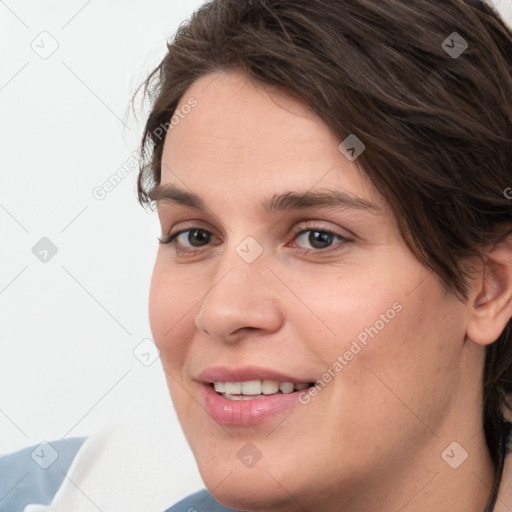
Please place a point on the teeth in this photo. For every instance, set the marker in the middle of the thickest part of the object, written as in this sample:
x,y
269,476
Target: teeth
x,y
286,387
238,397
220,387
256,387
252,387
233,388
269,387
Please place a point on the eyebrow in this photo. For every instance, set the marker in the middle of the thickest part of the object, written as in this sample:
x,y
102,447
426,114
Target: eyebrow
x,y
278,202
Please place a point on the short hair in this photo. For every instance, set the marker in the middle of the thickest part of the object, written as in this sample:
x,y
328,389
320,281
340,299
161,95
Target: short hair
x,y
426,86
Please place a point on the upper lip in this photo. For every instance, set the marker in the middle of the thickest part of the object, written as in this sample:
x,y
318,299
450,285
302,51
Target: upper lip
x,y
244,374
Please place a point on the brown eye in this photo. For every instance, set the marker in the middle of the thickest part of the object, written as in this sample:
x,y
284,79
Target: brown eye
x,y
187,239
321,240
196,237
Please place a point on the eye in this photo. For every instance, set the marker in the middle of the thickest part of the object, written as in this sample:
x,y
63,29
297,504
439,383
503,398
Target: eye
x,y
320,239
190,241
196,237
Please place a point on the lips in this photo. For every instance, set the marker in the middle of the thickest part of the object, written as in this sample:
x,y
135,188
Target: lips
x,y
248,373
254,410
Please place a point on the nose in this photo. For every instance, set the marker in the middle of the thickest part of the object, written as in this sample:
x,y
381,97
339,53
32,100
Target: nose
x,y
242,298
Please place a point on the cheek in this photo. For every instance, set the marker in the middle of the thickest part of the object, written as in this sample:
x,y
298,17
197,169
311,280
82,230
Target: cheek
x,y
172,302
341,307
387,345
405,376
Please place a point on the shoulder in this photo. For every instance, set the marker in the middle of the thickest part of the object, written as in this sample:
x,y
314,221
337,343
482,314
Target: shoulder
x,y
201,501
33,475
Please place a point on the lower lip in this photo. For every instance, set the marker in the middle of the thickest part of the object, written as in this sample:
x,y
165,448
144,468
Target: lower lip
x,y
246,412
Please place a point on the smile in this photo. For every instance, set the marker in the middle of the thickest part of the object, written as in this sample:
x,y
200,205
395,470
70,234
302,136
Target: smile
x,y
249,395
254,389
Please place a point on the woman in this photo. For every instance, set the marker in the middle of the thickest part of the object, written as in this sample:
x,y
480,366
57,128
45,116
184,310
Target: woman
x,y
332,293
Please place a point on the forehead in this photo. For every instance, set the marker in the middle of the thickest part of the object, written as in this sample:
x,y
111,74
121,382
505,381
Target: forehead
x,y
239,114
255,138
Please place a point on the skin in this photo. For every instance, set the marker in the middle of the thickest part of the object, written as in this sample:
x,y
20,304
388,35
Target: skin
x,y
372,439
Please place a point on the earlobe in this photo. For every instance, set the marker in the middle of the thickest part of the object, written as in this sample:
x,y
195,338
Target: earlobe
x,y
490,296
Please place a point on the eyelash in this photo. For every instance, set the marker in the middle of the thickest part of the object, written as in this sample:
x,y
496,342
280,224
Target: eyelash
x,y
171,240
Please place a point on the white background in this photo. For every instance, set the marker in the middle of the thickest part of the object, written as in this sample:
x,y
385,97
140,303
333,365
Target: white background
x,y
68,327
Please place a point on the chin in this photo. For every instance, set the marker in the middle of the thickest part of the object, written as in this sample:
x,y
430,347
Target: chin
x,y
249,492
267,486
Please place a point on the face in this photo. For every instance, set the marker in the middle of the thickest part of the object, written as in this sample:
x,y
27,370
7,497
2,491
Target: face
x,y
257,288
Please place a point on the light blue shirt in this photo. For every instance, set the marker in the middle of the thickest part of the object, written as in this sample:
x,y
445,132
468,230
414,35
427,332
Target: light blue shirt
x,y
34,475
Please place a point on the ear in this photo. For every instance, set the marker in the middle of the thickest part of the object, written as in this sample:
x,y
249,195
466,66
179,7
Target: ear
x,y
490,296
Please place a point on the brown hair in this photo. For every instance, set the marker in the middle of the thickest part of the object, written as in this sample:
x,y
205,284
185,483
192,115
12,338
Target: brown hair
x,y
437,126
